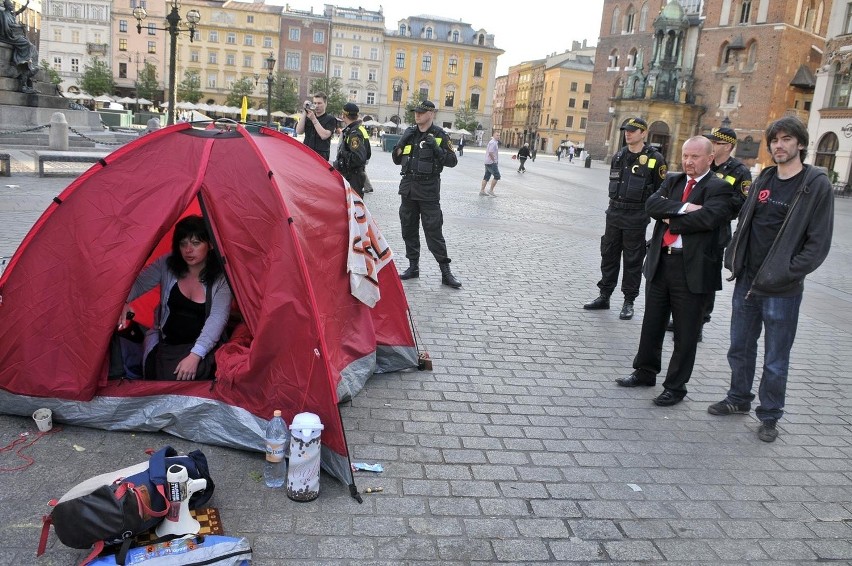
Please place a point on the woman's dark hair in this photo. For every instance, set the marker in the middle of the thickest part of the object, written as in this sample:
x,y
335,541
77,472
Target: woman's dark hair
x,y
792,126
193,227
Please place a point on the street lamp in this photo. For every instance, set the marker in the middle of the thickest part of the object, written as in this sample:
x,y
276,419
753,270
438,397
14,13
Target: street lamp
x,y
726,122
192,18
397,93
270,64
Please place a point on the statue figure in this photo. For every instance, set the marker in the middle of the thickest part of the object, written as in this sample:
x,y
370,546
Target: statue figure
x,y
24,53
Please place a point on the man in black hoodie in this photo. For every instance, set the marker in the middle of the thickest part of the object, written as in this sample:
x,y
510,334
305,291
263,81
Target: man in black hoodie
x,y
783,233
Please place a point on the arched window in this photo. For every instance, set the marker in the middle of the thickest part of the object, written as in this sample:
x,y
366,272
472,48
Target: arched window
x,y
629,19
481,40
428,33
613,59
808,16
402,30
732,95
616,16
826,150
631,58
745,11
455,36
643,17
725,55
752,54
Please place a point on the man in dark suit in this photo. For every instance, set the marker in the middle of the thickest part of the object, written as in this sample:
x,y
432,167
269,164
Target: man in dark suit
x,y
681,268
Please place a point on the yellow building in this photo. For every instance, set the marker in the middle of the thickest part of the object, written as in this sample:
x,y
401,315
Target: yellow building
x,y
565,102
443,60
232,41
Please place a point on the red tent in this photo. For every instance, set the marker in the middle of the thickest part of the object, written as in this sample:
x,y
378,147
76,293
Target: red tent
x,y
279,216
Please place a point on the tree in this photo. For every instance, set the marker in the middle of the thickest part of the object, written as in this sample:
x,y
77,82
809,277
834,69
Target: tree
x,y
466,118
52,74
285,93
413,102
334,89
189,89
147,85
97,78
241,88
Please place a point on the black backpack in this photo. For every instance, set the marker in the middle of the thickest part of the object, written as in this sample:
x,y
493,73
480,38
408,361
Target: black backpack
x,y
113,508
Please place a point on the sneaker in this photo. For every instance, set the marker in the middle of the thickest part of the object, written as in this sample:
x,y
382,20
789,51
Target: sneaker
x,y
767,431
483,194
491,194
725,407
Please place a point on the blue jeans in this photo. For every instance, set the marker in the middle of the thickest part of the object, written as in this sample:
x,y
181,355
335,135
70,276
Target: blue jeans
x,y
779,316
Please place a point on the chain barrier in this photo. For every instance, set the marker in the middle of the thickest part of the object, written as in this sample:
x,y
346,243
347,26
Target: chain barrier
x,y
34,129
81,134
85,137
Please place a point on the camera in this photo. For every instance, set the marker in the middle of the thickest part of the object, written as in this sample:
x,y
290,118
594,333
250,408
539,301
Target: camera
x,y
310,105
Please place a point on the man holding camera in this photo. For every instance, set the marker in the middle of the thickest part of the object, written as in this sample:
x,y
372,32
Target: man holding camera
x,y
317,125
353,151
423,151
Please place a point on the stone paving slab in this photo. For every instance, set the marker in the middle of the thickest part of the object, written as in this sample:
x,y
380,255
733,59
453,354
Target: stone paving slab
x,y
518,448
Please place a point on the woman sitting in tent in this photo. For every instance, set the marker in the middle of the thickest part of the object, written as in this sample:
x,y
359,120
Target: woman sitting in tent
x,y
195,301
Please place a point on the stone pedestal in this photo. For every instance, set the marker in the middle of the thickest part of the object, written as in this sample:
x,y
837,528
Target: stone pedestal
x,y
19,111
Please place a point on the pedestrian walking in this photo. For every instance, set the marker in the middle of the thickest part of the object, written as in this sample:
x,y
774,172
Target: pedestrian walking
x,y
523,155
492,170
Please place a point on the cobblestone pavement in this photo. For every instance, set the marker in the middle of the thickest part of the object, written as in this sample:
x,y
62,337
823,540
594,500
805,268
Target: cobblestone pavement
x,y
518,448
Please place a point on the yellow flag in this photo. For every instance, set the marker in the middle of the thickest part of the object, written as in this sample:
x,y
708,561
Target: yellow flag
x,y
244,110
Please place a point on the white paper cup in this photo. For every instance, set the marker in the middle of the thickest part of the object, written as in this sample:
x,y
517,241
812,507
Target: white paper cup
x,y
43,419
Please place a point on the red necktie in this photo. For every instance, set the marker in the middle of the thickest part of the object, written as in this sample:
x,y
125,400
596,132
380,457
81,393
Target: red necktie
x,y
668,237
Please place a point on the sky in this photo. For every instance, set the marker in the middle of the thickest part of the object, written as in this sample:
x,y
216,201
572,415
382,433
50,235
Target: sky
x,y
525,31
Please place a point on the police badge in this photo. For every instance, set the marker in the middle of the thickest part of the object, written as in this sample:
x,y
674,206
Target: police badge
x,y
354,142
663,170
643,159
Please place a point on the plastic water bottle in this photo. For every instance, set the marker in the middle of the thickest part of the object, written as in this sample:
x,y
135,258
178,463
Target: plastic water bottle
x,y
277,446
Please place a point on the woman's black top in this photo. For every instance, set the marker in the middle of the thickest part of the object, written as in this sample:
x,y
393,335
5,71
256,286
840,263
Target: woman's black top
x,y
186,319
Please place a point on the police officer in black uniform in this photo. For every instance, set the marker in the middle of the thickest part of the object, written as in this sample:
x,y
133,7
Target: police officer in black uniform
x,y
353,151
732,171
423,151
636,172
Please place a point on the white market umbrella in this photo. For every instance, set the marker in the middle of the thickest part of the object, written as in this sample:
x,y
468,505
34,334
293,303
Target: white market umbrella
x,y
463,132
164,104
196,116
372,124
203,107
104,98
144,101
261,112
125,100
390,124
279,114
185,106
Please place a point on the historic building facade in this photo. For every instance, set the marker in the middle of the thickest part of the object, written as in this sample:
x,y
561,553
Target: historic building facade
x,y
72,35
444,60
305,40
830,125
687,66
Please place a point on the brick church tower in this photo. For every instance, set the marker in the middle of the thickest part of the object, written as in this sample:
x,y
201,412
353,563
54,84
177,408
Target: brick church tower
x,y
690,65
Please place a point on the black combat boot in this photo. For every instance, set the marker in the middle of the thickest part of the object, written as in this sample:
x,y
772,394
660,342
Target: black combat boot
x,y
626,310
602,302
413,270
447,276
